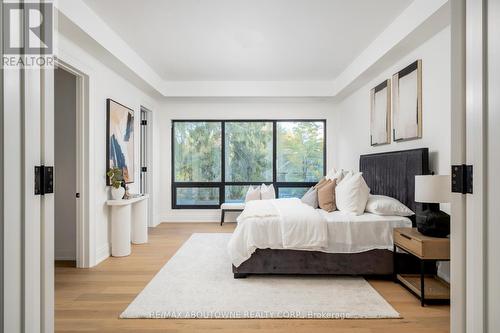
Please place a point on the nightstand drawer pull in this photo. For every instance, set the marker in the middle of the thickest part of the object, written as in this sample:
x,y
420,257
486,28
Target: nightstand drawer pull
x,y
405,236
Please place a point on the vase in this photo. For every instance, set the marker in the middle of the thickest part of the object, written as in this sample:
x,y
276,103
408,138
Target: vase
x,y
117,193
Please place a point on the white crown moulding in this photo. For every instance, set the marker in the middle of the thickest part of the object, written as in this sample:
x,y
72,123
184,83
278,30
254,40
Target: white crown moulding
x,y
420,20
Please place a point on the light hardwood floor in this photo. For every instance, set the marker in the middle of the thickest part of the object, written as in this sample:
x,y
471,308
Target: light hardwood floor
x,y
92,299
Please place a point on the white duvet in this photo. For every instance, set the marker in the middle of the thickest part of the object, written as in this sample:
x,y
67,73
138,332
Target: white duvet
x,y
277,224
291,224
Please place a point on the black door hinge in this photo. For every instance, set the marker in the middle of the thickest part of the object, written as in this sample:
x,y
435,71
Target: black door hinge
x,y
44,179
144,122
462,179
144,169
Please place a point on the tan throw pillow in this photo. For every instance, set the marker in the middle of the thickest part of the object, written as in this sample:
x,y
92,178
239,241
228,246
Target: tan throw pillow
x,y
326,195
321,182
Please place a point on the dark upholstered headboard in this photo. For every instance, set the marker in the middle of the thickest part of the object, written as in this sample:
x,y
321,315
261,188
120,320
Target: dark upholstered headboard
x,y
393,173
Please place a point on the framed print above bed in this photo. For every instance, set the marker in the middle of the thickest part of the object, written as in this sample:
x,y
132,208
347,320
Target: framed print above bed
x,y
380,114
407,103
120,139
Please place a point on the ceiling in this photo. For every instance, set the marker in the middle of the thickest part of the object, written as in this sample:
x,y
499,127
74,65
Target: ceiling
x,y
237,40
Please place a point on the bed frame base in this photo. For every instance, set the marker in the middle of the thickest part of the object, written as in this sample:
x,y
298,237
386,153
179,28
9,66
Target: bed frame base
x,y
240,275
267,261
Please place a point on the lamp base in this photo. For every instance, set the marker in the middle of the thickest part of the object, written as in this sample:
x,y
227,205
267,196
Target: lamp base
x,y
433,223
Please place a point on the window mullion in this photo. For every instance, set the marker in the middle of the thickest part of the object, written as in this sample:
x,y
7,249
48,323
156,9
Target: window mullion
x,y
222,189
274,152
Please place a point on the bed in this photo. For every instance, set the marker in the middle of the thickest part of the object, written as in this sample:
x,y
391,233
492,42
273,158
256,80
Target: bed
x,y
392,174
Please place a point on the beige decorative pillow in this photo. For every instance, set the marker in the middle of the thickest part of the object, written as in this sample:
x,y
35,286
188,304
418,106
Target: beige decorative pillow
x,y
321,182
326,195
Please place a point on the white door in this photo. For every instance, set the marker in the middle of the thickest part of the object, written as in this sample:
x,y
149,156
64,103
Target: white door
x,y
27,221
477,143
27,234
492,167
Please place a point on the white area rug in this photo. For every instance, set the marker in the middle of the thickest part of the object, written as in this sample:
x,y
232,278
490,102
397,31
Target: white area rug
x,y
198,282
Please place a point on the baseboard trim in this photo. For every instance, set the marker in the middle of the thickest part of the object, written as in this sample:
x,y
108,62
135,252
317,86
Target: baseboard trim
x,y
64,258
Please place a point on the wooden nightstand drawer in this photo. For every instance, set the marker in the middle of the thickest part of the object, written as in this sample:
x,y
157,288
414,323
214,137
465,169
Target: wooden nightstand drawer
x,y
408,243
424,247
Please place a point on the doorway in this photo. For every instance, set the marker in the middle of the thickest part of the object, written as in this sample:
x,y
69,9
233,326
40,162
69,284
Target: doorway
x,y
65,167
146,185
72,209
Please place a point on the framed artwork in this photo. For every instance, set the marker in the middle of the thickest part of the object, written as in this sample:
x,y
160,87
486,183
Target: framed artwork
x,y
120,139
407,103
380,114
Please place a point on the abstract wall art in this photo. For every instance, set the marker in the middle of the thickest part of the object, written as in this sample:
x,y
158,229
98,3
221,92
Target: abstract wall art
x,y
407,103
120,139
380,114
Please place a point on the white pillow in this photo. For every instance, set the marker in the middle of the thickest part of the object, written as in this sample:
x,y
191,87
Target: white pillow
x,y
384,205
335,174
253,194
347,174
352,194
267,192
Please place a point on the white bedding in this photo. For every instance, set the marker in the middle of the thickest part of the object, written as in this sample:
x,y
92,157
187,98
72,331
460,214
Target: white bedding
x,y
277,224
353,234
262,228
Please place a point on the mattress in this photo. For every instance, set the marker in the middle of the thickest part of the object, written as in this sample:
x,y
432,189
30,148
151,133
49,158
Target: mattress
x,y
353,234
346,233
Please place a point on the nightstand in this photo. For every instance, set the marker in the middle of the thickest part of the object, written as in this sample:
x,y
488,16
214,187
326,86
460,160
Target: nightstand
x,y
426,287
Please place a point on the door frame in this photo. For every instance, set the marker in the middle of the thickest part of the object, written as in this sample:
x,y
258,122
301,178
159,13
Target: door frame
x,y
493,147
149,159
83,186
469,146
458,157
476,155
2,175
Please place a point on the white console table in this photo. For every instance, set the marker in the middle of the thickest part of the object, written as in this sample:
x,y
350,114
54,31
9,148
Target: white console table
x,y
129,221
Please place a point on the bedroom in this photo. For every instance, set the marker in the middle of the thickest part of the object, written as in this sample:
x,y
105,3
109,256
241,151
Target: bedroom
x,y
250,166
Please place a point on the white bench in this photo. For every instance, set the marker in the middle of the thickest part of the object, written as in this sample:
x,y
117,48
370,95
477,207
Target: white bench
x,y
230,207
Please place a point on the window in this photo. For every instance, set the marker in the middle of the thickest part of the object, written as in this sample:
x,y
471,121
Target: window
x,y
300,151
215,161
249,141
197,147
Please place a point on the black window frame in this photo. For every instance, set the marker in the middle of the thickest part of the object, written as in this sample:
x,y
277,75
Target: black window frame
x,y
222,184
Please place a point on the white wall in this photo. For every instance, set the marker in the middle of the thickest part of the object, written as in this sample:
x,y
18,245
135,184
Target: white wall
x,y
351,134
65,165
103,83
224,108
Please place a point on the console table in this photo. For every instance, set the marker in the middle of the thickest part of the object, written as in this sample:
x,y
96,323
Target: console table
x,y
129,222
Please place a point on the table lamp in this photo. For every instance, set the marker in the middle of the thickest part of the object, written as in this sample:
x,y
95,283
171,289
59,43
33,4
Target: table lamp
x,y
433,190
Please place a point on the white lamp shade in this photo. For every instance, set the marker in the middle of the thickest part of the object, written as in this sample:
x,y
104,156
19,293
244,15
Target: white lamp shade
x,y
432,189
